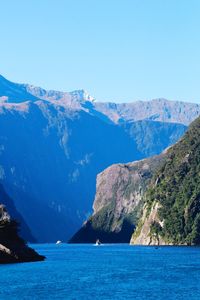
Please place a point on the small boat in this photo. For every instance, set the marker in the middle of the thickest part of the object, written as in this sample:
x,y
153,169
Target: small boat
x,y
58,242
98,243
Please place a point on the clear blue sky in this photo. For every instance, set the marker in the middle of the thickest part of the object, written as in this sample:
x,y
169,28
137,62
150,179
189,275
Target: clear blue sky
x,y
118,50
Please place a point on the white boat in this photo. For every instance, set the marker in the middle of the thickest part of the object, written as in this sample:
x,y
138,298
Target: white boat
x,y
58,242
98,243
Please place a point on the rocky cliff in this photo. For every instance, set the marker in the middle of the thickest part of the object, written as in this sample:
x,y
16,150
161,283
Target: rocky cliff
x,y
171,213
24,230
143,234
12,248
118,202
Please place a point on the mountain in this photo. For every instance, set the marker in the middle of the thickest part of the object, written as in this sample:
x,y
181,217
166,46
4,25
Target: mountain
x,y
11,92
50,156
118,202
14,92
171,213
53,144
12,248
159,109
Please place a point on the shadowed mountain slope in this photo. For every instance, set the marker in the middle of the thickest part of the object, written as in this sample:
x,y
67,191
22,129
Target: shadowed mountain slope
x,y
15,215
13,249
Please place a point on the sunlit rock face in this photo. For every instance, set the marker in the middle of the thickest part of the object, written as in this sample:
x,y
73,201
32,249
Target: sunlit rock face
x,y
171,214
118,202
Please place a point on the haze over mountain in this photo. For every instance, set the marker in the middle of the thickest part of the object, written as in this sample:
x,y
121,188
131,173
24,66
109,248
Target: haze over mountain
x,y
53,144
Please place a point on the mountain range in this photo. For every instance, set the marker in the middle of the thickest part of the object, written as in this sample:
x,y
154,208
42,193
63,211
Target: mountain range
x,y
156,110
53,144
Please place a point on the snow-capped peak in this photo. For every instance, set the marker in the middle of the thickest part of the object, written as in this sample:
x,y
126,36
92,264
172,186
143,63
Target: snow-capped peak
x,y
81,95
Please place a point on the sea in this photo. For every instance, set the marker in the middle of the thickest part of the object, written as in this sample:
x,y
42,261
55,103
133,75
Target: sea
x,y
105,272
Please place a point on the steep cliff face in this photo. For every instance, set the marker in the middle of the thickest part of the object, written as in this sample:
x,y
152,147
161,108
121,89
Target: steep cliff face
x,y
172,209
10,206
118,202
12,248
144,235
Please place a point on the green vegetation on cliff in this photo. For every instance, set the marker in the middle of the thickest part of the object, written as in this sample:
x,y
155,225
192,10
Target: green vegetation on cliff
x,y
176,188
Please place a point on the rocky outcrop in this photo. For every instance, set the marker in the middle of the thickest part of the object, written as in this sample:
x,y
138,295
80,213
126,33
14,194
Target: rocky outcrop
x,y
118,202
10,206
171,214
143,235
12,248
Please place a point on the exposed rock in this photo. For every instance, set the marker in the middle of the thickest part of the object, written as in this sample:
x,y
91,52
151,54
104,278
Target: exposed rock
x,y
118,202
172,209
156,110
10,206
143,235
12,248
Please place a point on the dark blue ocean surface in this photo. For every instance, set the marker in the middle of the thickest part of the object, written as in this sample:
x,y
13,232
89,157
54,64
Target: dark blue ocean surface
x,y
105,272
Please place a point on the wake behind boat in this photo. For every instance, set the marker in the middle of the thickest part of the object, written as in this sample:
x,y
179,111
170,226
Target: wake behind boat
x,y
58,242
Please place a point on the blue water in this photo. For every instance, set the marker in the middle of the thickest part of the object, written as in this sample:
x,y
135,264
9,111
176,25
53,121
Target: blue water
x,y
105,272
